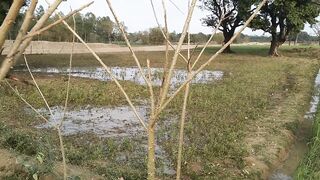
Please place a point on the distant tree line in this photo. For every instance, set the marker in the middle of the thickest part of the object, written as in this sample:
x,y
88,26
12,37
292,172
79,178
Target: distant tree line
x,y
102,29
89,27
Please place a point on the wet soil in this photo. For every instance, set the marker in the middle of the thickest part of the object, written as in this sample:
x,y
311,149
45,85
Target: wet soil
x,y
303,135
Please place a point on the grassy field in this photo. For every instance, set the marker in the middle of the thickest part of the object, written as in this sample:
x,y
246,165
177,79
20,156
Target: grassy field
x,y
237,128
310,167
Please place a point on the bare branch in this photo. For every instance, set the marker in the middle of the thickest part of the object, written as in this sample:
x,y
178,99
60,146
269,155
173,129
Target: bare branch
x,y
69,75
9,20
110,74
15,54
152,99
37,86
57,126
164,105
184,112
164,94
177,7
23,30
126,40
58,21
165,35
26,102
181,132
207,44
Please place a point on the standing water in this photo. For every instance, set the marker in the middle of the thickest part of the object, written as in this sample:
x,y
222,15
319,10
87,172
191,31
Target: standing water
x,y
117,121
104,122
133,74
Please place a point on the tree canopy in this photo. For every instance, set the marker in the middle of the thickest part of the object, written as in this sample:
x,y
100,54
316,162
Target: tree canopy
x,y
281,18
231,13
4,8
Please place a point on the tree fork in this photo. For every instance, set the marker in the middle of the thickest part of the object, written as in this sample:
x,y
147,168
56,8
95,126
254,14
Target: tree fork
x,y
9,20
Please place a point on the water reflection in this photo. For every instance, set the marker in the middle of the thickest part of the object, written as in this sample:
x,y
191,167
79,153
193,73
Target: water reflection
x,y
133,74
104,122
315,99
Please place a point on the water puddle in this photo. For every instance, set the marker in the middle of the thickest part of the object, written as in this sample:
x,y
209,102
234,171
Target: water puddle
x,y
299,149
315,99
103,122
133,74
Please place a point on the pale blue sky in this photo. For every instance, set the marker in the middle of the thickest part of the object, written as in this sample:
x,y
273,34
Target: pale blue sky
x,y
137,14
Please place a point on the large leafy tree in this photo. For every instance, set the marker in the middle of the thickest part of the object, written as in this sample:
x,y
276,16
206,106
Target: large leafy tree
x,y
281,18
89,25
104,28
231,12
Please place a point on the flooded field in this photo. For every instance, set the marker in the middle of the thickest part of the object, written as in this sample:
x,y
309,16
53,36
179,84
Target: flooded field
x,y
133,74
111,121
104,122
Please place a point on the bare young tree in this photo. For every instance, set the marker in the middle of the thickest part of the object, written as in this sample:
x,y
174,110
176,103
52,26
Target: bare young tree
x,y
24,37
22,41
158,102
158,105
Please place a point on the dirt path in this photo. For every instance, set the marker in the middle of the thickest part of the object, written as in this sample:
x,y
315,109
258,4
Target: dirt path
x,y
7,163
46,47
275,149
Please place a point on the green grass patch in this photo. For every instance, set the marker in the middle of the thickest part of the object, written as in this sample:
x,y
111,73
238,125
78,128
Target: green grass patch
x,y
310,167
220,114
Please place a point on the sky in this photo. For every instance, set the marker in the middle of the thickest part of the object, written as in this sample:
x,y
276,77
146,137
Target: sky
x,y
137,15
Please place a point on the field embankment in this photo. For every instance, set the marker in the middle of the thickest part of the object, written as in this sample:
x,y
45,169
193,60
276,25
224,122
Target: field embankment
x,y
47,47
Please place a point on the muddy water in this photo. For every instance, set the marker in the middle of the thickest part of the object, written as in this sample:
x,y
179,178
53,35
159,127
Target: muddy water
x,y
132,74
104,122
300,148
117,121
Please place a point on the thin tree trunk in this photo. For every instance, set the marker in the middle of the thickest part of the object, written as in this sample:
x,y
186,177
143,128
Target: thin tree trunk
x,y
151,153
182,125
9,20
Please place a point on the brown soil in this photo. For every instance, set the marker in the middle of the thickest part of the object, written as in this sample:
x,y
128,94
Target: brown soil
x,y
9,166
8,163
46,47
269,141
